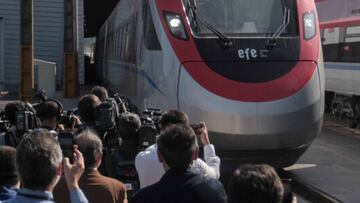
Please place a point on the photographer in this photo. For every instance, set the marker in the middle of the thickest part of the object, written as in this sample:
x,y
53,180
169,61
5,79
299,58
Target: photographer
x,y
39,162
22,119
49,113
96,187
125,148
177,150
87,110
129,124
54,119
100,92
9,136
147,164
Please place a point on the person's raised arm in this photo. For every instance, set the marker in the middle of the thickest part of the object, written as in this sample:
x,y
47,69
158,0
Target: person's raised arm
x,y
73,173
211,166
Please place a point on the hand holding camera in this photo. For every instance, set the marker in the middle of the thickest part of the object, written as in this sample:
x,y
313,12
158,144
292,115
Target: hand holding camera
x,y
201,130
74,171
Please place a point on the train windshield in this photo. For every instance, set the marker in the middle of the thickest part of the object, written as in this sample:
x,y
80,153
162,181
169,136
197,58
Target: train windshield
x,y
240,17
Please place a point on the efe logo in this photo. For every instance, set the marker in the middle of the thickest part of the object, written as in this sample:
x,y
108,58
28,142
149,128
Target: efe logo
x,y
247,53
252,53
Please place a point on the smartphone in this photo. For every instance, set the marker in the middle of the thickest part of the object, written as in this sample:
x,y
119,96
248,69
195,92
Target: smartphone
x,y
66,141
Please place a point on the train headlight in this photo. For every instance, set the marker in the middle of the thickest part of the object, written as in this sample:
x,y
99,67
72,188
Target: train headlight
x,y
176,25
309,25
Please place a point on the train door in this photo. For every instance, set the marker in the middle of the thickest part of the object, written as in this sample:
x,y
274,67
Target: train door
x,y
2,67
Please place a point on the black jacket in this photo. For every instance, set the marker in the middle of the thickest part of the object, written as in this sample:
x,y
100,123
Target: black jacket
x,y
182,186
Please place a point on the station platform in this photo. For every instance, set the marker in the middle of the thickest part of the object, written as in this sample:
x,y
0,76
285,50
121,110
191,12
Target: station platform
x,y
331,164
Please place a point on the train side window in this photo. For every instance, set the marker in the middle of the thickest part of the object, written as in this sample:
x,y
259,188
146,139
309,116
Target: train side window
x,y
151,39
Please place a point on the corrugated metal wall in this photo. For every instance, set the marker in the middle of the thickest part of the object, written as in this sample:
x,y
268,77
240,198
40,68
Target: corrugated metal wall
x,y
10,12
2,73
49,33
48,36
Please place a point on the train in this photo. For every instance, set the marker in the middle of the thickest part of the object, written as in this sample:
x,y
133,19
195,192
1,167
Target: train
x,y
252,70
340,34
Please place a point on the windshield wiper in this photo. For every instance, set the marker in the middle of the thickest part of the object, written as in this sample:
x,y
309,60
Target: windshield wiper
x,y
272,41
225,42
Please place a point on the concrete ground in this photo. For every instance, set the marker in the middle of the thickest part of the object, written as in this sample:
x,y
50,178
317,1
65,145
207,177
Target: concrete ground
x,y
332,163
67,103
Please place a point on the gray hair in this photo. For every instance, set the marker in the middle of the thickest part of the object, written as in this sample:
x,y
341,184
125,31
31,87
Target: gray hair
x,y
37,159
90,146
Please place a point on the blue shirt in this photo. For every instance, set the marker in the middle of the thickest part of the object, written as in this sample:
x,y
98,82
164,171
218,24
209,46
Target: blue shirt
x,y
30,196
7,192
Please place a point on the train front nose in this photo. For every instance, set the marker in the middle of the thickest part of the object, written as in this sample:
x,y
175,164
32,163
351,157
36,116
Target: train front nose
x,y
273,130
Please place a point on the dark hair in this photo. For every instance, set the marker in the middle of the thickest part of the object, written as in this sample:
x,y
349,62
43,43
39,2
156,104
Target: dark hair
x,y
49,110
177,144
8,174
38,157
11,109
255,183
129,123
87,107
90,146
173,117
100,92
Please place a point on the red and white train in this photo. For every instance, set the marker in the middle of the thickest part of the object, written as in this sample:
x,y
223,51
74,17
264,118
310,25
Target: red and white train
x,y
252,70
340,33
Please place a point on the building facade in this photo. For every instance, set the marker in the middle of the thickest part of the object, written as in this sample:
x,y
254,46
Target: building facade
x,y
48,36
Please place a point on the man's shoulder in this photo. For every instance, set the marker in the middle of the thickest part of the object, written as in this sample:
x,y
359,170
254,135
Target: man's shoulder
x,y
212,183
148,193
150,150
108,182
116,183
214,188
191,188
148,154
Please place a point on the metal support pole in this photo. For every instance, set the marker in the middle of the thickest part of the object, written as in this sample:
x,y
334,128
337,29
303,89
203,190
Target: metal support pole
x,y
71,70
26,52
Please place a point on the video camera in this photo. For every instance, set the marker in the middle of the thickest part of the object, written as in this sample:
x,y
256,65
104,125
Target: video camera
x,y
68,118
125,104
107,115
65,117
25,119
149,128
109,111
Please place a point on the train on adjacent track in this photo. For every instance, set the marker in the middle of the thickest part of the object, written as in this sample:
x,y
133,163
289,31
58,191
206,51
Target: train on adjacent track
x,y
340,34
252,70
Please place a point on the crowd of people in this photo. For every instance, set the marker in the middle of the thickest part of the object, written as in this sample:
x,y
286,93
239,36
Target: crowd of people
x,y
35,168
